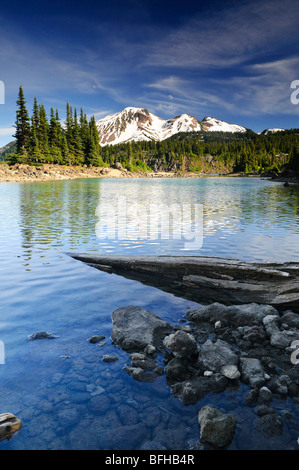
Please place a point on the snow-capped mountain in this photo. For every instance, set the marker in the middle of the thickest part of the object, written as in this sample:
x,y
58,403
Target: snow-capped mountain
x,y
211,124
135,124
139,124
272,131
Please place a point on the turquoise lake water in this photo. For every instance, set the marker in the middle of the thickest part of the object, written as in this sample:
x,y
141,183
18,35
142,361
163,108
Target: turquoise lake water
x,y
64,394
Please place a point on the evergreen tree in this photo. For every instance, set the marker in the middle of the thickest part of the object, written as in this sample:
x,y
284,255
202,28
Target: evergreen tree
x,y
65,153
55,137
94,150
54,129
84,131
77,142
34,152
35,116
69,123
44,134
22,134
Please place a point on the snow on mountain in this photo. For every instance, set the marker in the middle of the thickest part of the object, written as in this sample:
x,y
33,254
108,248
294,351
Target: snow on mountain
x,y
272,131
135,124
211,124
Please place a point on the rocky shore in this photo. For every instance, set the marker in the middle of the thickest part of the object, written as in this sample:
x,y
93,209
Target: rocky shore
x,y
220,347
287,176
48,172
21,173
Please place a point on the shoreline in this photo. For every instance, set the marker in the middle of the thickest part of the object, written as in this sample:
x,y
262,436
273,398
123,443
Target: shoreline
x,y
22,173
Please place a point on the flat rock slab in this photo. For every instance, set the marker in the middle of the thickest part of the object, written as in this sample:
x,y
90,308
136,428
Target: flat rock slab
x,y
208,279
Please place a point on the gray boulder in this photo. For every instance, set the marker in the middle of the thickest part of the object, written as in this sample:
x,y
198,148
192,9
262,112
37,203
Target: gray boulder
x,y
265,396
236,315
135,328
181,344
214,356
231,372
252,372
278,339
291,319
217,428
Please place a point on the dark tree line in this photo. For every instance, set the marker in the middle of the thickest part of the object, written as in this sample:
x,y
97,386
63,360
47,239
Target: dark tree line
x,y
42,138
242,152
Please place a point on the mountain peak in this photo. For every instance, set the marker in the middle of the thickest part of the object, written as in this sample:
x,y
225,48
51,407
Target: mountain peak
x,y
135,124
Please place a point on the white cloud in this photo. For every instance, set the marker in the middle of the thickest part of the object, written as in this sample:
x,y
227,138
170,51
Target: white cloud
x,y
7,130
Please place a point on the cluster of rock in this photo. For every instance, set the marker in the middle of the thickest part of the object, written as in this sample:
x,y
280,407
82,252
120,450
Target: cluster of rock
x,y
220,346
47,172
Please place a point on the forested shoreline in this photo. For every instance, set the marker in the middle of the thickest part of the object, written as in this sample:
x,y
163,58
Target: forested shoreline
x,y
42,139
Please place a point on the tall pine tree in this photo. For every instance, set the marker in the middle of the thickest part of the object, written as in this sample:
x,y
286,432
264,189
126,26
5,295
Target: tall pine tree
x,y
22,134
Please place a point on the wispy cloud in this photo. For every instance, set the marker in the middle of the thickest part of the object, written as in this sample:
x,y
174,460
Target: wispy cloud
x,y
238,34
185,95
264,87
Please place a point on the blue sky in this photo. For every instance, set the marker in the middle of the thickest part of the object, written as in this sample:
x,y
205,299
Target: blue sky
x,y
233,60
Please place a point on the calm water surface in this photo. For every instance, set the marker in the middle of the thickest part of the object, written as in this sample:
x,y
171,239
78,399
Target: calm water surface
x,y
65,396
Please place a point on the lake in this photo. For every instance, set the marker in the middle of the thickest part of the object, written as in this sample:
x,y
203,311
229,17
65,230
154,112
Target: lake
x,y
64,394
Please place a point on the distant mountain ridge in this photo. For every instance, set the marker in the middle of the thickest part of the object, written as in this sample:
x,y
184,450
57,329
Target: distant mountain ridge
x,y
138,124
272,131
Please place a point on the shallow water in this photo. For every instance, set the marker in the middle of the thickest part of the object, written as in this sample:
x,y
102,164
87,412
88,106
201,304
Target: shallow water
x,y
65,396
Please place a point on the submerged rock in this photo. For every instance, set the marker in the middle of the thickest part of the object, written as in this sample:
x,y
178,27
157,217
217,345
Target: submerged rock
x,y
269,424
152,445
265,396
143,368
41,335
109,358
96,338
190,391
